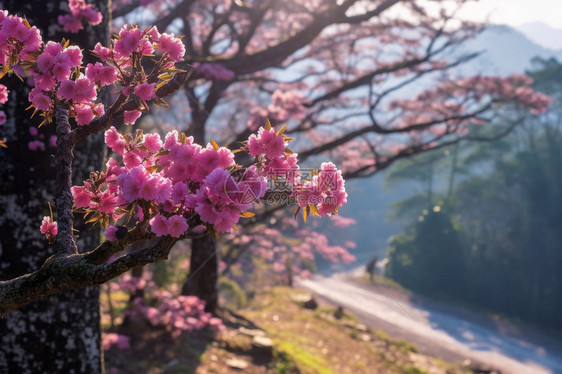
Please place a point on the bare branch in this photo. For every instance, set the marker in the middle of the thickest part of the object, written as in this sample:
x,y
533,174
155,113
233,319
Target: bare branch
x,y
65,243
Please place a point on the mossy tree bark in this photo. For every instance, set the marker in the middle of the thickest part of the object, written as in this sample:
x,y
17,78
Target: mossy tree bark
x,y
59,333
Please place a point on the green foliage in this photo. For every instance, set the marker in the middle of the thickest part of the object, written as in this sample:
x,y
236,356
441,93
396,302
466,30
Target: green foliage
x,y
306,361
232,296
496,243
429,257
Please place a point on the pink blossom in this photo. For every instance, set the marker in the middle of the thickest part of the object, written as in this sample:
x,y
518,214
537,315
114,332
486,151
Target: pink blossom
x,y
80,12
45,62
40,100
283,167
131,183
102,52
159,225
179,192
82,196
48,227
128,42
171,45
45,82
110,339
62,71
266,142
152,142
101,73
210,159
52,48
98,109
131,159
66,89
84,115
33,42
84,90
115,141
75,55
36,145
145,91
107,202
177,226
131,116
227,218
111,233
70,23
3,94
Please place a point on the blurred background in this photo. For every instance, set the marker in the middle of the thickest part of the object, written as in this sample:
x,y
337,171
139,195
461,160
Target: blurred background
x,y
445,119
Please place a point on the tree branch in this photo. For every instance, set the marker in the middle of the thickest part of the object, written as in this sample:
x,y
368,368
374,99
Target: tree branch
x,y
68,272
65,243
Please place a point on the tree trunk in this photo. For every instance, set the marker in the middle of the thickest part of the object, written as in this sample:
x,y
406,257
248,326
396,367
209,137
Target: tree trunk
x,y
202,279
60,333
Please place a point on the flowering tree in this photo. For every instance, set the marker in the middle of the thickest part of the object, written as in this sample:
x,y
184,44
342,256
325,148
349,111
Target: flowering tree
x,y
346,59
346,62
174,189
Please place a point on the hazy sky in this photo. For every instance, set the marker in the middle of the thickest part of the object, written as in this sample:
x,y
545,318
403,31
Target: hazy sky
x,y
516,12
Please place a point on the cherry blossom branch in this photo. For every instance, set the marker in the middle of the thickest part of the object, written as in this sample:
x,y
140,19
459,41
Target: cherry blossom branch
x,y
121,104
67,272
65,241
123,10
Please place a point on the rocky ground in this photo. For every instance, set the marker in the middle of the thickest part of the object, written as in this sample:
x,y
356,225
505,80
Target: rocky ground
x,y
281,330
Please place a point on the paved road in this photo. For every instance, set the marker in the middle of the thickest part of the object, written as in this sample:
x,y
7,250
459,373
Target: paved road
x,y
443,332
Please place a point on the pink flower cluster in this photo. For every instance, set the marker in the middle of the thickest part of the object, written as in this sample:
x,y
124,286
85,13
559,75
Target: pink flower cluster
x,y
326,190
3,94
110,339
286,245
221,199
174,226
81,12
56,74
54,68
17,39
49,228
270,149
170,181
142,42
178,185
268,143
38,142
177,313
161,308
455,98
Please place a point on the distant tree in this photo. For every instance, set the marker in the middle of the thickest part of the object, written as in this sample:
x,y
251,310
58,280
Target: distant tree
x,y
507,210
341,56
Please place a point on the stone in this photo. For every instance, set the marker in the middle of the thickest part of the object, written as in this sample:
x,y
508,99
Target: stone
x,y
251,332
237,363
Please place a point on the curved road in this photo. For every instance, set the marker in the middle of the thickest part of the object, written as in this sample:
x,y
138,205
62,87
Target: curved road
x,y
440,332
